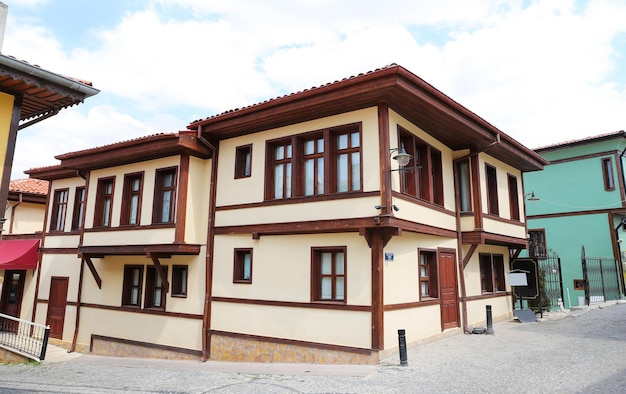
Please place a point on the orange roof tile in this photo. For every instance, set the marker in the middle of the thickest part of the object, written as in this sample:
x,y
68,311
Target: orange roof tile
x,y
28,185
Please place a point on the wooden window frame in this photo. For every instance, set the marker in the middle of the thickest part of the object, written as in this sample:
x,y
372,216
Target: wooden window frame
x,y
326,179
80,200
128,193
428,273
159,195
426,182
608,174
102,198
59,210
152,277
317,275
537,243
180,281
492,273
243,161
239,265
514,205
128,286
464,185
491,180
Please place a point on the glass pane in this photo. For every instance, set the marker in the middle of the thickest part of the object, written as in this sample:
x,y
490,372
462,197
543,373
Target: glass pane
x,y
327,261
108,188
342,141
342,173
424,272
248,168
134,296
309,147
326,290
157,297
309,177
289,151
355,140
134,207
339,289
246,266
278,181
356,171
165,210
183,278
168,180
157,279
320,175
279,153
320,145
464,182
135,274
106,211
135,184
339,263
288,180
424,286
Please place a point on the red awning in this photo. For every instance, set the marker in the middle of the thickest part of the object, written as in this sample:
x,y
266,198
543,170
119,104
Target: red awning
x,y
18,254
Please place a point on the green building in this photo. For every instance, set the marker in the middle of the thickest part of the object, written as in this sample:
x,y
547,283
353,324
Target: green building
x,y
576,212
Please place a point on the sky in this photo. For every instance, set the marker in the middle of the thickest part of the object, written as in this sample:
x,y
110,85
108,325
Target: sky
x,y
542,71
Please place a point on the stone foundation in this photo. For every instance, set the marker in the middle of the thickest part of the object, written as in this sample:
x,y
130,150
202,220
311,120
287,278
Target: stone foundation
x,y
114,347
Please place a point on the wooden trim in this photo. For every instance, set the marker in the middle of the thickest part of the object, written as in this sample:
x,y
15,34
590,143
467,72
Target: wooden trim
x,y
143,344
503,220
70,303
378,300
424,203
411,305
238,268
476,191
619,211
141,311
127,193
180,217
58,250
294,342
487,296
78,299
483,237
129,228
298,200
87,260
290,304
150,251
240,165
10,152
161,271
469,255
384,158
581,157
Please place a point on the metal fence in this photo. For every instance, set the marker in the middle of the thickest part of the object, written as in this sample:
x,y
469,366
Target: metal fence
x,y
602,279
550,280
23,337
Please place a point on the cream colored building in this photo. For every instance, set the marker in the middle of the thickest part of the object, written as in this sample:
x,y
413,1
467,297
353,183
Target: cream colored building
x,y
287,231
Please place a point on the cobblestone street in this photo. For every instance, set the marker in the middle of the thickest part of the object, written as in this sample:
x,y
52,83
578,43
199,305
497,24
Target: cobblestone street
x,y
574,352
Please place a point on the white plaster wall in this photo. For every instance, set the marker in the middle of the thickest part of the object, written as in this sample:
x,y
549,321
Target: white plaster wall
x,y
418,323
129,237
26,218
345,328
498,227
64,240
198,197
502,171
472,270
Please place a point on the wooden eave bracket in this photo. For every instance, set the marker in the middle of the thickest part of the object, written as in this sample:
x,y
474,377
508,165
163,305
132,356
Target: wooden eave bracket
x,y
386,232
157,264
469,255
92,268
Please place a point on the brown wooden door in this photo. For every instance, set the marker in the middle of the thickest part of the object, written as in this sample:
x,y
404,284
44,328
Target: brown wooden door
x,y
449,293
12,292
57,302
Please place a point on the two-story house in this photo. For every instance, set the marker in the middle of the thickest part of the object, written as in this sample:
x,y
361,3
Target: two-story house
x,y
311,227
581,203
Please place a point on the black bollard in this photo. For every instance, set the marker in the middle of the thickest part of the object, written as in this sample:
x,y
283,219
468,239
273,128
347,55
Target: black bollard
x,y
402,345
489,321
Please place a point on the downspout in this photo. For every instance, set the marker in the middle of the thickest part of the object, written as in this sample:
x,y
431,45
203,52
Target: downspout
x,y
85,177
40,255
459,233
19,201
208,291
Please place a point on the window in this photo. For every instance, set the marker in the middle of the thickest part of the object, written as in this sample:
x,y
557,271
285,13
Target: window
x,y
242,272
426,182
155,288
465,190
59,210
316,163
104,202
513,197
607,172
131,199
164,195
428,274
329,274
133,281
492,273
243,161
492,190
79,208
537,243
179,281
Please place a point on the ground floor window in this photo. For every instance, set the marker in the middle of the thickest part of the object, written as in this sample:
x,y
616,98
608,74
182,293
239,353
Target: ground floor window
x,y
133,281
328,274
428,274
492,272
153,290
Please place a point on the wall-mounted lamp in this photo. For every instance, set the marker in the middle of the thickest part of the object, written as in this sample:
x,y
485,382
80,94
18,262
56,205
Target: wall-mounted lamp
x,y
403,159
531,197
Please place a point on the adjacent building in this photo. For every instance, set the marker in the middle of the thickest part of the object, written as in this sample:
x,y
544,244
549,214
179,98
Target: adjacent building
x,y
580,202
311,227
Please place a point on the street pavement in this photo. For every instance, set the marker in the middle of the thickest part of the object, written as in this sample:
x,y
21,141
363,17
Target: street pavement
x,y
582,351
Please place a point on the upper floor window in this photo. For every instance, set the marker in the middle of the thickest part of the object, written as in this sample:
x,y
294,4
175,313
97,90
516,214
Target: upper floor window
x,y
164,195
79,208
104,202
426,182
321,162
243,161
537,243
131,198
492,273
242,270
328,274
607,172
464,185
513,197
428,274
492,190
59,210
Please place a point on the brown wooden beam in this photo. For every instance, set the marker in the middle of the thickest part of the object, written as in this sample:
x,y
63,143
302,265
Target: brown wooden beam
x,y
161,272
92,268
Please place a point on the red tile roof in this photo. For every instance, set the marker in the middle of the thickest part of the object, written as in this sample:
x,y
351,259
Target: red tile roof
x,y
605,136
30,186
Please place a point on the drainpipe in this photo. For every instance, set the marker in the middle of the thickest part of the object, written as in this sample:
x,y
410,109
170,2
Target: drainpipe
x,y
206,317
19,201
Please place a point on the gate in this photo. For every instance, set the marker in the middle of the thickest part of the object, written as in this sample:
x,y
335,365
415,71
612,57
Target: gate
x,y
550,280
602,278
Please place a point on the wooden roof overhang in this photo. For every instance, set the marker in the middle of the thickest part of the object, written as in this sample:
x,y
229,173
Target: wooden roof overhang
x,y
153,252
43,93
404,92
132,151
